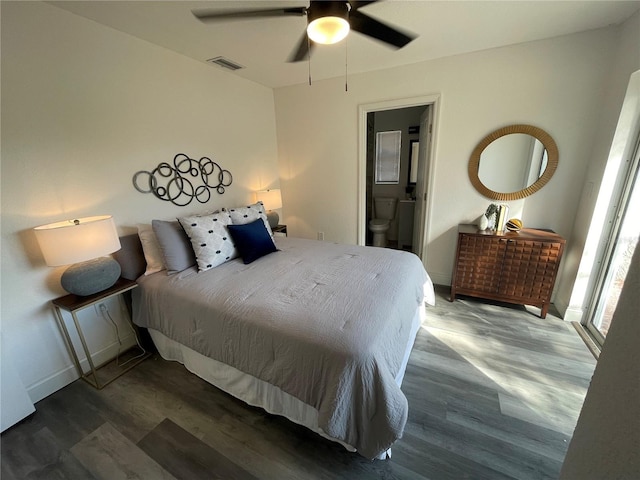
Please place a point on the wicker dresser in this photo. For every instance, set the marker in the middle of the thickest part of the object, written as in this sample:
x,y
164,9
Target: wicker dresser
x,y
510,267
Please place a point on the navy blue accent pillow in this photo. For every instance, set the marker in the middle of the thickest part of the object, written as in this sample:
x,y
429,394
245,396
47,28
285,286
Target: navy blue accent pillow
x,y
252,240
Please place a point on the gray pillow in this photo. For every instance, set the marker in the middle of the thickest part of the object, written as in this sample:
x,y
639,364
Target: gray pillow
x,y
175,246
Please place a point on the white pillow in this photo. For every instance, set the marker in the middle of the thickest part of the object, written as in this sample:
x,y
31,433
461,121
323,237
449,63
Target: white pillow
x,y
244,215
151,249
210,239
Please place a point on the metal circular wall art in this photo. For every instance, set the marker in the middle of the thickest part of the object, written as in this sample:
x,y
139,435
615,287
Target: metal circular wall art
x,y
183,181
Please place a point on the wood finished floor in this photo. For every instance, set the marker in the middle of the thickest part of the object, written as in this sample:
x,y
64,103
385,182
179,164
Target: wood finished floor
x,y
494,393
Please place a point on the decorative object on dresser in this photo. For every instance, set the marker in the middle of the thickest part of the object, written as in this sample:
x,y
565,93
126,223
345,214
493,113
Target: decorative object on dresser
x,y
179,189
513,267
82,243
482,222
492,216
272,200
503,212
514,225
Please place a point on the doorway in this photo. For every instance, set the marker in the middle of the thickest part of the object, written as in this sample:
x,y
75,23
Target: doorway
x,y
405,125
415,119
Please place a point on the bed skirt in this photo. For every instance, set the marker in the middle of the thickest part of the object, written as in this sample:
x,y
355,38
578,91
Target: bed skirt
x,y
259,393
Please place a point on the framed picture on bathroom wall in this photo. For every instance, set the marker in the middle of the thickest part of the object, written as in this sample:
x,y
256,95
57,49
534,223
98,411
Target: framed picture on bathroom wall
x,y
414,148
388,146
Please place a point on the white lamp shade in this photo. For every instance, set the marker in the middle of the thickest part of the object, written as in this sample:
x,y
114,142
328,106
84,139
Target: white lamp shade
x,y
328,30
271,199
73,241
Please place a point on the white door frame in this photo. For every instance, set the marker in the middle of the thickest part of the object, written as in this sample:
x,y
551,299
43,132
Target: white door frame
x,y
363,110
420,213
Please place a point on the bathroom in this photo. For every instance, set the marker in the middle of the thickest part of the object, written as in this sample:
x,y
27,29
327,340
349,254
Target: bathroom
x,y
395,192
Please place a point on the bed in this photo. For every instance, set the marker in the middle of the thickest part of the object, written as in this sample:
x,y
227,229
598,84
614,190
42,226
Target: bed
x,y
317,332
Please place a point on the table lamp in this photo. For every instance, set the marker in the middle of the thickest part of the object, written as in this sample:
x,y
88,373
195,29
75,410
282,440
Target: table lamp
x,y
83,244
272,200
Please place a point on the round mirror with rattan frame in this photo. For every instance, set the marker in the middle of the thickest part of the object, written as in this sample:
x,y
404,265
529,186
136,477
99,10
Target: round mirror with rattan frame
x,y
552,162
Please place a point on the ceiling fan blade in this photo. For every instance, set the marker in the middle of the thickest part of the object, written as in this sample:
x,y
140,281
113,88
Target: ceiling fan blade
x,y
301,52
356,5
216,15
371,27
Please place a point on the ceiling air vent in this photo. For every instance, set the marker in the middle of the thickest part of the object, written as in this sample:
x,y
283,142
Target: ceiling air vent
x,y
225,62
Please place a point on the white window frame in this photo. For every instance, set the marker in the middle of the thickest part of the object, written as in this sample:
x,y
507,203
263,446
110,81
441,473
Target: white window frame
x,y
388,148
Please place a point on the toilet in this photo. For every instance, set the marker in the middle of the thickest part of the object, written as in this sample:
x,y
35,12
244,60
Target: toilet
x,y
384,212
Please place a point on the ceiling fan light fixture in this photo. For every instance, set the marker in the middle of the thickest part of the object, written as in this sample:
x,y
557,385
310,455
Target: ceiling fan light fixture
x,y
328,21
328,30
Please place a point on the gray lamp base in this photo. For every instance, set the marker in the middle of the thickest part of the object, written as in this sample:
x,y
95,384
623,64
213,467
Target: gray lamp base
x,y
90,277
273,218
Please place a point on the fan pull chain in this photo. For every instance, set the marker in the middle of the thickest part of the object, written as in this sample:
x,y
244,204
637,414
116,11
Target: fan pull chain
x,y
309,57
346,64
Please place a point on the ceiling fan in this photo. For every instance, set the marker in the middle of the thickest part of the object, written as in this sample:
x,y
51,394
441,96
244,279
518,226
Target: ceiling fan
x,y
327,22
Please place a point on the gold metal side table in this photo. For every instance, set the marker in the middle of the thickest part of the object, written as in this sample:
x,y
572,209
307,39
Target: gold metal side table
x,y
74,303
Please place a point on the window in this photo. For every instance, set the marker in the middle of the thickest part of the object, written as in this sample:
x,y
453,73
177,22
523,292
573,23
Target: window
x,y
388,157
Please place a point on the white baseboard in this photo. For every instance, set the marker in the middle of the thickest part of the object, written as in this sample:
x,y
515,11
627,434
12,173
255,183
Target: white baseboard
x,y
573,314
64,377
440,278
560,305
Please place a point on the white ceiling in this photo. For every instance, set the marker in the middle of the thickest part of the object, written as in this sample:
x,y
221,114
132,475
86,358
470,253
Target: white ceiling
x,y
262,45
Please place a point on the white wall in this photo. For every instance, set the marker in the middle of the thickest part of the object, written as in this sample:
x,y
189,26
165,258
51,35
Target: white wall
x,y
579,257
15,403
553,84
84,107
606,441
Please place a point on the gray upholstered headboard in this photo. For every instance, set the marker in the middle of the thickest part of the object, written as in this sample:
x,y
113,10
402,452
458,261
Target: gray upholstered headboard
x,y
131,257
